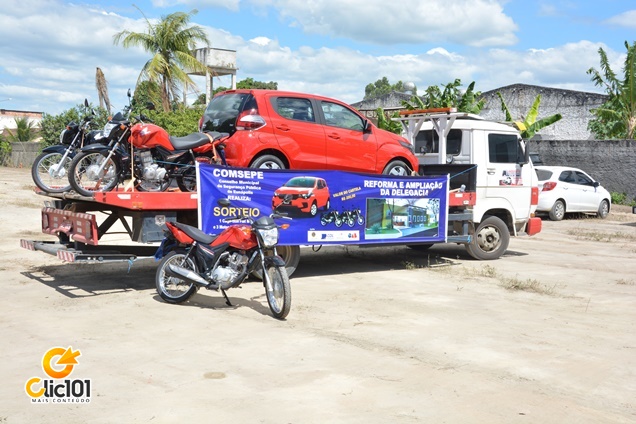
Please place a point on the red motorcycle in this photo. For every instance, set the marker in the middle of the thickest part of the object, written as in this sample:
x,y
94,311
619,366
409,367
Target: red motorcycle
x,y
191,259
157,157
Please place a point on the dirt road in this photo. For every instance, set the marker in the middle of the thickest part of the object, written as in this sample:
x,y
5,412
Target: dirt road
x,y
546,334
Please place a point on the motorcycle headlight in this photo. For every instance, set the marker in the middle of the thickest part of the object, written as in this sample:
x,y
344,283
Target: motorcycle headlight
x,y
108,128
62,136
269,236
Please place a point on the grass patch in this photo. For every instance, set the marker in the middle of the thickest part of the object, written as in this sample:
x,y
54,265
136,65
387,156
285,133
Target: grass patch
x,y
529,285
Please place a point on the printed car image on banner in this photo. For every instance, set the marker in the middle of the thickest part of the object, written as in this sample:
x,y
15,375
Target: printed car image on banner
x,y
327,206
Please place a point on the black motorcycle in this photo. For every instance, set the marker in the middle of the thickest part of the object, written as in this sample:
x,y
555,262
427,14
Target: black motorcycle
x,y
331,216
50,169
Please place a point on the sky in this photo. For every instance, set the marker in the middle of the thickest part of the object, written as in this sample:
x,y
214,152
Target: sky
x,y
50,49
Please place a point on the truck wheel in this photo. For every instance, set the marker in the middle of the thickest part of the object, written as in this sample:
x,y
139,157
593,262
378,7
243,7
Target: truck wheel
x,y
558,211
490,240
291,256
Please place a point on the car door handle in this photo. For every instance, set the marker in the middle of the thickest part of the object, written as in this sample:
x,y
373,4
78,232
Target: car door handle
x,y
491,171
282,127
335,136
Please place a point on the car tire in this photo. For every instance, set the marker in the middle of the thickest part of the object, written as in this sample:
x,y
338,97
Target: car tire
x,y
558,211
397,168
603,209
313,210
268,162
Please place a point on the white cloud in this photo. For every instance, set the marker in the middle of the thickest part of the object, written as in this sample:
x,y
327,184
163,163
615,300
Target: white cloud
x,y
625,19
467,22
198,4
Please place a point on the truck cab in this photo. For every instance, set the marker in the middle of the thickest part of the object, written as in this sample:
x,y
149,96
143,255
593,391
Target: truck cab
x,y
503,185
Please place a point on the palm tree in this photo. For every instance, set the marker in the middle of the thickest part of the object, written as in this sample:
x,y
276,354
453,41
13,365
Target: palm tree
x,y
172,43
25,131
529,125
616,118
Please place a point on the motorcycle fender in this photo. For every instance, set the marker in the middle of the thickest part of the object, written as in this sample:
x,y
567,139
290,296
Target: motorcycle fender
x,y
95,148
274,260
58,148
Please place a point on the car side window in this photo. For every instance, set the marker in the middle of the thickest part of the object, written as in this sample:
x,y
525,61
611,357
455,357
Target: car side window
x,y
295,108
568,177
339,116
584,179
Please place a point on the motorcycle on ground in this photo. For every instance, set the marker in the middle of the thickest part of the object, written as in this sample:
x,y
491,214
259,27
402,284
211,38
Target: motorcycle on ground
x,y
51,167
144,152
331,216
191,259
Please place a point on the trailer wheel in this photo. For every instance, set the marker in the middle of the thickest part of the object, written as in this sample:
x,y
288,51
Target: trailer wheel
x,y
291,256
490,240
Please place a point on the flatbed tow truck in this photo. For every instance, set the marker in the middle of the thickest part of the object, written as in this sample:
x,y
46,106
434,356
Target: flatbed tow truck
x,y
492,195
73,220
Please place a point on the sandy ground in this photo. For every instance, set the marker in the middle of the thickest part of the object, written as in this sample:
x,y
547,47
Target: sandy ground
x,y
546,334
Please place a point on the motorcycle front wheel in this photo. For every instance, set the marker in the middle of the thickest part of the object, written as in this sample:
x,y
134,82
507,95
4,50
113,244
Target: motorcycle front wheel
x,y
50,174
86,177
279,296
173,289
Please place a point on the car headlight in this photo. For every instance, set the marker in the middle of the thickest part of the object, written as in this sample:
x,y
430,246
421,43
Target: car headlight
x,y
269,236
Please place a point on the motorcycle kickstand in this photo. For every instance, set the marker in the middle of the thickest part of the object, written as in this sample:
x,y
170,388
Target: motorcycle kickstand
x,y
227,299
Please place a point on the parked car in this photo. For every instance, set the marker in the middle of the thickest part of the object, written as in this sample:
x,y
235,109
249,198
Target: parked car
x,y
285,130
565,189
305,194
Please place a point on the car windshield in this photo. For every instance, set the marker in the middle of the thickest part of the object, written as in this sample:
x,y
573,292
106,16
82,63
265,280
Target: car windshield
x,y
301,182
222,112
543,174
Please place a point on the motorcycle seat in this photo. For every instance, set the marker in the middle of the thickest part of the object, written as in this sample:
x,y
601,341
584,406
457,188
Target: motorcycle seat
x,y
195,233
189,141
193,140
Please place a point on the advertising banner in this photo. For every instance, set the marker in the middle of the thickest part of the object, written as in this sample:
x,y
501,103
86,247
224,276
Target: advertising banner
x,y
328,207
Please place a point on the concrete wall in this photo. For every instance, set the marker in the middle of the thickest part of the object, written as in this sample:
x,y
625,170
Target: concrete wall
x,y
611,162
23,154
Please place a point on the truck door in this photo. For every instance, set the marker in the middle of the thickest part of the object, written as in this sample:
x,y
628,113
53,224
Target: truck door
x,y
508,182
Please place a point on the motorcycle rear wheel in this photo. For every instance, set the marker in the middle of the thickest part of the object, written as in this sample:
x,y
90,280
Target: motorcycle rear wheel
x,y
49,174
172,289
279,298
84,176
187,180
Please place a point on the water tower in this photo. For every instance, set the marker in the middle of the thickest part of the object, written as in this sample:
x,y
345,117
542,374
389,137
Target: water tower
x,y
219,62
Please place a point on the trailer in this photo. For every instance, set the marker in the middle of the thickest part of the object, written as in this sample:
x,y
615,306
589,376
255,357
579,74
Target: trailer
x,y
80,223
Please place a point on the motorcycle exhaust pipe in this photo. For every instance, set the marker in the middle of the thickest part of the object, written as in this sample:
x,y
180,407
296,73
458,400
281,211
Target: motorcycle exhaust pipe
x,y
187,275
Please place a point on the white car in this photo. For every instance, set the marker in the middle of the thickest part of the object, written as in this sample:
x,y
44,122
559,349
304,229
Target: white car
x,y
564,190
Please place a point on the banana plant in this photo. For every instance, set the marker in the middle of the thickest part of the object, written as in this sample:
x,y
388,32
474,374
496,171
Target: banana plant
x,y
529,126
386,123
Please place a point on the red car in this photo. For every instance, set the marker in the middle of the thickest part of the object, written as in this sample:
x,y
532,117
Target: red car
x,y
305,194
285,130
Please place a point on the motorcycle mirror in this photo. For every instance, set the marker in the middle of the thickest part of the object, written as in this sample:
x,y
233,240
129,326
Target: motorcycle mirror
x,y
128,94
150,106
223,202
85,102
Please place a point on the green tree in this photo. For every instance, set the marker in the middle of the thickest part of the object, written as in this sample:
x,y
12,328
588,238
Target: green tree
x,y
52,125
146,92
616,118
25,131
451,96
171,42
529,126
249,83
178,122
382,87
386,123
